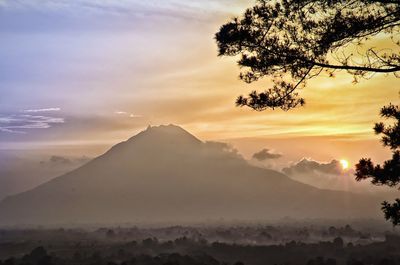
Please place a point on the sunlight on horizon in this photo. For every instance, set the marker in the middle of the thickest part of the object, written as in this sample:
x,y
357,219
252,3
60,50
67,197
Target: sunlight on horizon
x,y
344,163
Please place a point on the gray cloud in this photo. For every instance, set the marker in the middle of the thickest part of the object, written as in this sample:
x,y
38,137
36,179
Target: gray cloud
x,y
88,129
17,123
218,145
57,160
22,170
265,154
328,175
306,166
219,148
60,160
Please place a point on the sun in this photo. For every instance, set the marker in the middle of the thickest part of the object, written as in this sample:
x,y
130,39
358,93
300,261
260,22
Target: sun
x,y
344,163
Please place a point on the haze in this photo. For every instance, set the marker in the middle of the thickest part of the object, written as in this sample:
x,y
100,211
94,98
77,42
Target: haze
x,y
78,77
124,139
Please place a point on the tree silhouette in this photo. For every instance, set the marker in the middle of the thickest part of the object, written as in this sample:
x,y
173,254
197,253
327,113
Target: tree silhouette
x,y
389,173
292,41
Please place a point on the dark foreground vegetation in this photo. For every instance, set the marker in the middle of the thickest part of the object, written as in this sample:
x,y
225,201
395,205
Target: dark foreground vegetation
x,y
252,245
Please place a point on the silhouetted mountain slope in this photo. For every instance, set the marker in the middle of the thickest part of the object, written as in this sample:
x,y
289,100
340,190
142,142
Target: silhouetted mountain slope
x,y
166,174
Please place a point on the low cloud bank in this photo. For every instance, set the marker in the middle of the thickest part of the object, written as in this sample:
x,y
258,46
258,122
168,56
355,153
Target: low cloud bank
x,y
329,175
266,154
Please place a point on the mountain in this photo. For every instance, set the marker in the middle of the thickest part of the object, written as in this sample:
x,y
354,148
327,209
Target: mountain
x,y
166,174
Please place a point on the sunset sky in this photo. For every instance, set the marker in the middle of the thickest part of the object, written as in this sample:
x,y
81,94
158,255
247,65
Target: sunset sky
x,y
90,73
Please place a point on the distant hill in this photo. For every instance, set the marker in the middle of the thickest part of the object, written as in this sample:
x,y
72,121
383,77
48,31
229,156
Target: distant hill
x,y
20,171
166,174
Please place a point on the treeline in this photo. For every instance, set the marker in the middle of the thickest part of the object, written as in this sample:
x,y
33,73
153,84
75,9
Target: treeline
x,y
39,256
188,251
244,235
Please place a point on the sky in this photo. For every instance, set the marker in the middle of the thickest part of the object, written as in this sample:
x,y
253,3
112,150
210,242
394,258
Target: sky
x,y
86,74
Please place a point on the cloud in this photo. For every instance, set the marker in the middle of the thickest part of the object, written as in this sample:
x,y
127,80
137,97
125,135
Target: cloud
x,y
42,110
121,12
17,123
160,75
129,6
21,170
57,160
306,166
130,115
219,149
2,129
265,154
218,146
327,175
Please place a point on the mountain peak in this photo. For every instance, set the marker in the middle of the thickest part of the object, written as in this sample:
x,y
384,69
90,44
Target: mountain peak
x,y
167,133
169,127
162,138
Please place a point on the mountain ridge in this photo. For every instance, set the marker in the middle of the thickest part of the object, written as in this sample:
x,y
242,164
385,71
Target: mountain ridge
x,y
166,173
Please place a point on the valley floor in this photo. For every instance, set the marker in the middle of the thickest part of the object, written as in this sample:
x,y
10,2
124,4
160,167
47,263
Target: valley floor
x,y
201,245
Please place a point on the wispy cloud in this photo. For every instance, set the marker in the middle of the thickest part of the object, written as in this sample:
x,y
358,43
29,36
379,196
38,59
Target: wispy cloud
x,y
2,129
42,110
17,123
124,5
173,9
130,115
